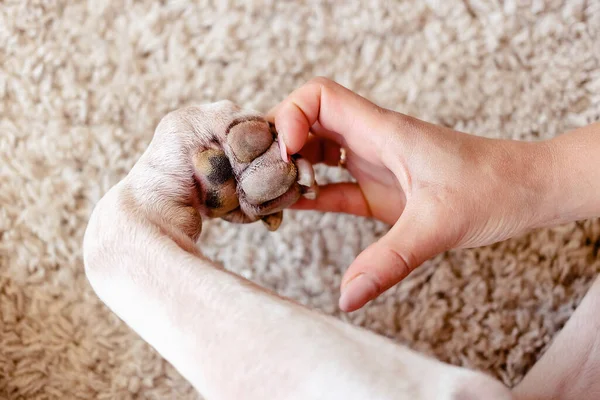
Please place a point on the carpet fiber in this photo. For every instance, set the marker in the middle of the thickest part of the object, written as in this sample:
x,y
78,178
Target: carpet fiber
x,y
84,83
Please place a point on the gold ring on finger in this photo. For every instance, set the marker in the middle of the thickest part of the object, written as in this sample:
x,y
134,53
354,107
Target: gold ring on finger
x,y
343,155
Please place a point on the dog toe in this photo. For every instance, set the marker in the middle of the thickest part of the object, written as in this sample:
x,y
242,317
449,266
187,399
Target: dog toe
x,y
217,183
249,139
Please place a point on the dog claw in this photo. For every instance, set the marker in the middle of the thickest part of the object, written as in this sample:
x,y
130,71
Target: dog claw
x,y
306,174
273,221
311,193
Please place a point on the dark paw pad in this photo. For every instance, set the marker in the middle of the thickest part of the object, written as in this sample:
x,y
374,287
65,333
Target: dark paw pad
x,y
217,183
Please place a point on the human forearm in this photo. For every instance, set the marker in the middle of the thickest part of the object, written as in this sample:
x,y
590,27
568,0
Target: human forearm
x,y
573,177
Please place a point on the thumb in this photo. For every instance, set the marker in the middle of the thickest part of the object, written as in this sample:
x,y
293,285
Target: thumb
x,y
417,236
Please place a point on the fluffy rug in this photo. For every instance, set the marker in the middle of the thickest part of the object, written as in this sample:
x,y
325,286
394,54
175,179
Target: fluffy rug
x,y
83,84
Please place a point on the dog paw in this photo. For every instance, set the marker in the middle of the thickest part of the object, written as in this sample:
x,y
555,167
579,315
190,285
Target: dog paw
x,y
237,169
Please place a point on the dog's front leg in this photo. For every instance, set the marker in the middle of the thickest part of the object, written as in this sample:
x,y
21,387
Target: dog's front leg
x,y
228,337
570,368
233,340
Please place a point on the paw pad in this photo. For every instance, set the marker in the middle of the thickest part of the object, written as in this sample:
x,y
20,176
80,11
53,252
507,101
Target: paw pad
x,y
241,178
218,186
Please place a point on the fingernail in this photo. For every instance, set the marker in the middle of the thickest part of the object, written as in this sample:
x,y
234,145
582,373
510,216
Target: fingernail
x,y
283,149
356,293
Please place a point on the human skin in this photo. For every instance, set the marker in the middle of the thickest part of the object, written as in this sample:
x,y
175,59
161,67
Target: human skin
x,y
440,189
233,339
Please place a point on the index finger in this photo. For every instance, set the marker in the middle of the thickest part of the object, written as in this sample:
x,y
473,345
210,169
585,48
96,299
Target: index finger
x,y
329,109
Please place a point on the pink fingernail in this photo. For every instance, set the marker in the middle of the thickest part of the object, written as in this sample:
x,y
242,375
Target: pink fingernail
x,y
284,154
360,290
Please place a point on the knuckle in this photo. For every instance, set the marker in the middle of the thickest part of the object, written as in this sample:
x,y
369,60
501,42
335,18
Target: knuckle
x,y
403,261
321,81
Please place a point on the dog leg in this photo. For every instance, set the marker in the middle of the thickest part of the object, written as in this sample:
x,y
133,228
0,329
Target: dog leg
x,y
234,340
228,337
570,368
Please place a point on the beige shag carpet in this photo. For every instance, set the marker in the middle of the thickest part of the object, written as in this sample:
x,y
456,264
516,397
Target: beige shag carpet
x,y
83,84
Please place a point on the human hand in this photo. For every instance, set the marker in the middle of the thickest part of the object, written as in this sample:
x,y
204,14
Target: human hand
x,y
441,189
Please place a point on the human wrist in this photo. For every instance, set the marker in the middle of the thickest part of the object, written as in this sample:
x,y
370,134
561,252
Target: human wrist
x,y
545,202
522,184
575,171
562,167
